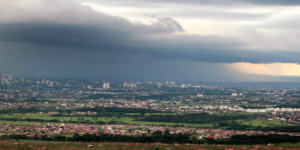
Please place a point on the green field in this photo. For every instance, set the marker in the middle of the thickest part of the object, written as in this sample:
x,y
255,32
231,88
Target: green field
x,y
130,120
16,122
127,120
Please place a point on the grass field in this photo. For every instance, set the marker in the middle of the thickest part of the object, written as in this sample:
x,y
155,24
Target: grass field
x,y
16,122
130,120
127,120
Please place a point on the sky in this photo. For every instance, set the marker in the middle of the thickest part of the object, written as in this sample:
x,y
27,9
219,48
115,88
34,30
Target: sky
x,y
158,40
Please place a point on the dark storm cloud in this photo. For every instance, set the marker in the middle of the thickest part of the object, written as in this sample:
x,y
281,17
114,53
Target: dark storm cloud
x,y
111,36
213,49
161,40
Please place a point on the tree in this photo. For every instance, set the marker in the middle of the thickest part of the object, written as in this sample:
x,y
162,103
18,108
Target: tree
x,y
157,133
167,132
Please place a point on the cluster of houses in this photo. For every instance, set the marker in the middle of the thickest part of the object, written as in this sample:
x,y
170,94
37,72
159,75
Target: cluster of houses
x,y
147,104
287,116
39,130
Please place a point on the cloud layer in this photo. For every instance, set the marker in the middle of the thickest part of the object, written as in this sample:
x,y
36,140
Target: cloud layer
x,y
66,23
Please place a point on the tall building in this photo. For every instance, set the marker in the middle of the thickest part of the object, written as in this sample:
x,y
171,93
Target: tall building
x,y
6,77
9,77
172,83
106,85
43,81
51,83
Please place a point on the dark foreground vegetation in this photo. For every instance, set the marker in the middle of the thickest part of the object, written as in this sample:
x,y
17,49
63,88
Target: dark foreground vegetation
x,y
168,138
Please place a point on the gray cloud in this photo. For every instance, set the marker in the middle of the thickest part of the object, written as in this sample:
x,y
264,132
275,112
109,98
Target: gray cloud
x,y
221,15
96,31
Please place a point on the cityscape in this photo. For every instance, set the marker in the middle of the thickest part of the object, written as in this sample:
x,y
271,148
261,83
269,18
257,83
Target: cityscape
x,y
52,108
149,75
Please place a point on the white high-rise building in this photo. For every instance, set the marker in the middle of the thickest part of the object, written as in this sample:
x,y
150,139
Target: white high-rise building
x,y
172,83
106,85
51,83
132,85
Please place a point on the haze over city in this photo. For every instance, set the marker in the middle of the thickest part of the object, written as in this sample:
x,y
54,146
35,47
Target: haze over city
x,y
191,40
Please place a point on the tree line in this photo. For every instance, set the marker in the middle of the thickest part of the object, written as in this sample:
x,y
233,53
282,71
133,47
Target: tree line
x,y
118,110
166,138
192,118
